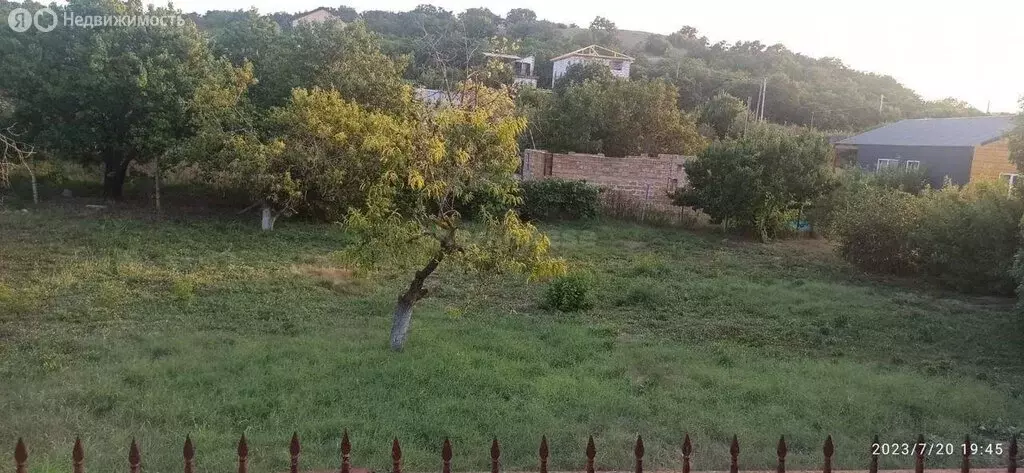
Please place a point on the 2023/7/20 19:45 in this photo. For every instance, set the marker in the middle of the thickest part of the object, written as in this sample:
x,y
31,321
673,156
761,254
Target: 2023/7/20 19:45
x,y
936,448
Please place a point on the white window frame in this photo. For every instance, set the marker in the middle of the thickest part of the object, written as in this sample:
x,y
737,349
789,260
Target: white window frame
x,y
889,162
917,164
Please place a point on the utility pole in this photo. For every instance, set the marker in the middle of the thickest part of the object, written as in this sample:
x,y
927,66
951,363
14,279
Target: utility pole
x,y
988,108
881,101
764,91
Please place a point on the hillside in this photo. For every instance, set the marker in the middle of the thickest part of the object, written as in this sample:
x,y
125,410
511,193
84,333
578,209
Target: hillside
x,y
821,92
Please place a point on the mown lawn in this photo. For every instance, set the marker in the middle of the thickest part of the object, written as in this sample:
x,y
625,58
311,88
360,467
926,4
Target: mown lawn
x,y
114,326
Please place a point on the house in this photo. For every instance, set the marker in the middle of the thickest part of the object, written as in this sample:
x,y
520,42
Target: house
x,y
319,15
963,149
617,62
522,68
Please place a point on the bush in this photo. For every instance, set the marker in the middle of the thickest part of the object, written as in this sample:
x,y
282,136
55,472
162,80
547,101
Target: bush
x,y
968,237
963,238
873,228
907,180
761,182
558,199
570,292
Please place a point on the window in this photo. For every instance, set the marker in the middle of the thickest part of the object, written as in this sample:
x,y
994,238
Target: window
x,y
888,163
913,164
616,65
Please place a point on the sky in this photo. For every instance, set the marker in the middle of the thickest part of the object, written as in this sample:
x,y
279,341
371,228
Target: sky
x,y
971,50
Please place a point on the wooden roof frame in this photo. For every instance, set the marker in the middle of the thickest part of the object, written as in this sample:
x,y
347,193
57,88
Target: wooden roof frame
x,y
596,51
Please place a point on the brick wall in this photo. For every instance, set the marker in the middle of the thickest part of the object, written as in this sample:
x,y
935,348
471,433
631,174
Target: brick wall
x,y
644,177
992,160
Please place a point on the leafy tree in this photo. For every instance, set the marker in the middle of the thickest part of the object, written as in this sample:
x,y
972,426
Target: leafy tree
x,y
520,15
345,13
656,45
317,156
579,73
602,31
618,118
480,23
109,95
329,55
602,23
760,182
721,113
466,148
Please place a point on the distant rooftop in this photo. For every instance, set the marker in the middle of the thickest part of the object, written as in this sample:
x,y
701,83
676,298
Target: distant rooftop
x,y
967,131
595,51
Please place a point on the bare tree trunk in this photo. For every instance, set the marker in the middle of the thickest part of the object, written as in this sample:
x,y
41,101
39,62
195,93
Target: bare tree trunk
x,y
268,218
402,317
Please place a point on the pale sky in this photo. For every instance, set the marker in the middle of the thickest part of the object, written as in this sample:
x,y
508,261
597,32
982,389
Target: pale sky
x,y
972,50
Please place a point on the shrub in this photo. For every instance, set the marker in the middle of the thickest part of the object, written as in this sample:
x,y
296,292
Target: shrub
x,y
873,228
559,199
761,182
570,292
963,238
967,237
907,180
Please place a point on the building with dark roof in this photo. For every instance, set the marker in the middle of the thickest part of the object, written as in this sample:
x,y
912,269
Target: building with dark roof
x,y
963,149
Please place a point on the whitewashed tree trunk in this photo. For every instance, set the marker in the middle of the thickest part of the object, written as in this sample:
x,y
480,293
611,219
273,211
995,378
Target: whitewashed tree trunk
x,y
402,317
268,218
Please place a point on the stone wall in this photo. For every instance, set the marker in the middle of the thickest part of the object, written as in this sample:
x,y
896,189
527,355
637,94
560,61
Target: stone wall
x,y
644,177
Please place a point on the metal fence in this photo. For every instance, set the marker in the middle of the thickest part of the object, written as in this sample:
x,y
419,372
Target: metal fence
x,y
919,450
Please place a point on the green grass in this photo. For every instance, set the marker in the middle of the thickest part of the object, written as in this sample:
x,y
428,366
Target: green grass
x,y
114,327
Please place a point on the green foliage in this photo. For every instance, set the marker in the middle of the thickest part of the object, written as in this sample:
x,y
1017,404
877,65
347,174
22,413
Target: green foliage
x,y
913,181
317,156
721,114
332,56
964,238
873,228
761,182
110,95
412,214
571,292
559,199
579,73
617,118
656,45
968,237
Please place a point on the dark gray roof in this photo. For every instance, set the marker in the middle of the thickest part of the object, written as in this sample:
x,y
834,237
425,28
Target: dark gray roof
x,y
970,131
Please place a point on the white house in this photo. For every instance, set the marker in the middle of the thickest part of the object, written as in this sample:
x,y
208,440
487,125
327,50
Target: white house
x,y
319,15
617,62
522,68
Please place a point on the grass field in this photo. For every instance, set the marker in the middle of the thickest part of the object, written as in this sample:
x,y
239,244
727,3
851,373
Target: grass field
x,y
115,326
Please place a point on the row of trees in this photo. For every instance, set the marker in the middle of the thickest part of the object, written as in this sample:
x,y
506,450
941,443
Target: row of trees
x,y
820,92
314,120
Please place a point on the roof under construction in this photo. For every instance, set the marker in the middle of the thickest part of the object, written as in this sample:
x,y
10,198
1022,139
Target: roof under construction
x,y
595,51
